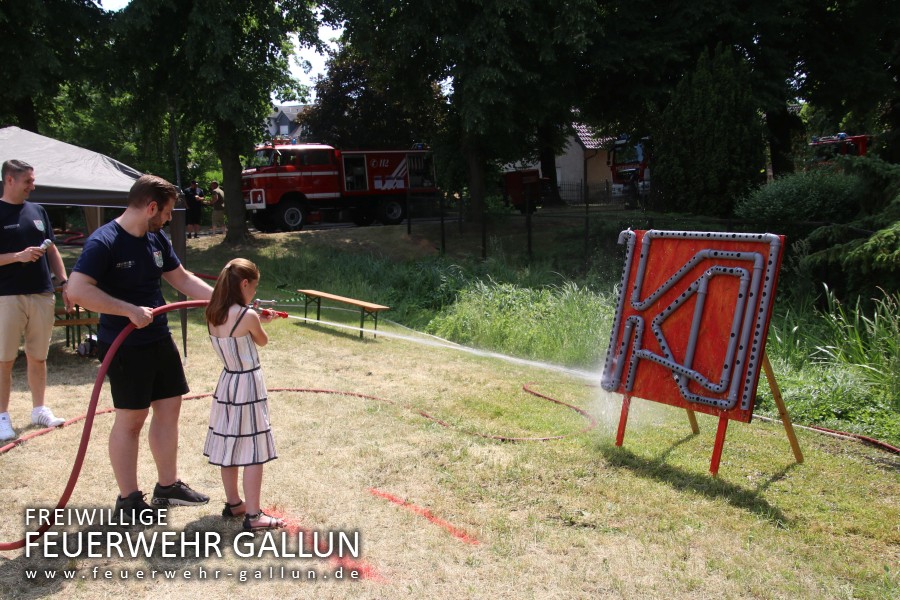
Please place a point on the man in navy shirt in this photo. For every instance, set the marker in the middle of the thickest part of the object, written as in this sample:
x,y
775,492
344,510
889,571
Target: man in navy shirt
x,y
26,292
193,202
118,275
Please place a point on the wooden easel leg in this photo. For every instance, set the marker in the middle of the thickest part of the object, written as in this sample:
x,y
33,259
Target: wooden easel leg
x,y
623,418
692,419
717,448
782,409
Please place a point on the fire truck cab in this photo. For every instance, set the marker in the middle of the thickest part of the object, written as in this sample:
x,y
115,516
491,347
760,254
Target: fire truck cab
x,y
629,165
286,185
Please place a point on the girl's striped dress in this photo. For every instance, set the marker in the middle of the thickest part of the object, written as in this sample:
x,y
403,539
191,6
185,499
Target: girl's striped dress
x,y
239,431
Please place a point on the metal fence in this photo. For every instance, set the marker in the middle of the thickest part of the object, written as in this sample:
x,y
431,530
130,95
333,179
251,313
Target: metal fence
x,y
572,229
578,192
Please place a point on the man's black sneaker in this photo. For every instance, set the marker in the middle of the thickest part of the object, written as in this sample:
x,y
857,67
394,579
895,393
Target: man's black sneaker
x,y
134,510
177,494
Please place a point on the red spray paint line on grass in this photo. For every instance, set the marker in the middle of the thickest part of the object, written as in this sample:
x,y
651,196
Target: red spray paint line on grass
x,y
424,512
365,569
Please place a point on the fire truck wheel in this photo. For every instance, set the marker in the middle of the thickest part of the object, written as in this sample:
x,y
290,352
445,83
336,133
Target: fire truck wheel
x,y
292,216
392,212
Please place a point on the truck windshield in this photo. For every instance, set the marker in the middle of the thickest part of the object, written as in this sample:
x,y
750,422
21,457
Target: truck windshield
x,y
626,153
262,158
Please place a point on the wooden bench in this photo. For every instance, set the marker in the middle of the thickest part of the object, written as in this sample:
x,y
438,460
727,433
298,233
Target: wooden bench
x,y
76,320
366,309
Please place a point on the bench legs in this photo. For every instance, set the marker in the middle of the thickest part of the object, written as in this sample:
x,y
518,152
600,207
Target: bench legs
x,y
80,318
363,314
318,303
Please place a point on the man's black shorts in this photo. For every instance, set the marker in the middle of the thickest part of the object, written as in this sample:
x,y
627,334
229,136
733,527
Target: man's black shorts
x,y
138,375
193,214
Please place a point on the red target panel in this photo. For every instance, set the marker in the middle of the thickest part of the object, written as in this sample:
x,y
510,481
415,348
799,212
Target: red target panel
x,y
692,319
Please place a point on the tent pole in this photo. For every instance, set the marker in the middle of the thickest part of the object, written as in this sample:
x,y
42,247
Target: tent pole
x,y
177,228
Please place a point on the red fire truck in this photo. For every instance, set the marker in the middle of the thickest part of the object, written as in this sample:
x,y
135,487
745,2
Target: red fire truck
x,y
825,149
629,164
286,185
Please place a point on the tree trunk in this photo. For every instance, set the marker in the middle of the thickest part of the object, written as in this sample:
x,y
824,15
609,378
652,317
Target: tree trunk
x,y
547,156
780,124
228,148
26,114
476,169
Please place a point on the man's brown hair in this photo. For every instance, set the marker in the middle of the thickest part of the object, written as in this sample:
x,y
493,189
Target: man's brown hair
x,y
15,168
150,188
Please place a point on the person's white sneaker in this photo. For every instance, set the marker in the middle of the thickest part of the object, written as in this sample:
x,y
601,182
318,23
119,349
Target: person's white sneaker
x,y
42,415
6,428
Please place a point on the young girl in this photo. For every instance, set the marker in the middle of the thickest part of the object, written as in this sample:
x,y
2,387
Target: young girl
x,y
239,432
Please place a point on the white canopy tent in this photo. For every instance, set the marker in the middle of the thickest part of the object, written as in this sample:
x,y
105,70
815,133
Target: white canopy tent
x,y
69,175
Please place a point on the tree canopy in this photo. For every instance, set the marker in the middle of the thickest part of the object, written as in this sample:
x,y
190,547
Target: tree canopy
x,y
45,44
357,107
213,65
166,83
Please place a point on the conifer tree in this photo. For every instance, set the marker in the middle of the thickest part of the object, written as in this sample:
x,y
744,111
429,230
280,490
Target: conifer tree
x,y
708,145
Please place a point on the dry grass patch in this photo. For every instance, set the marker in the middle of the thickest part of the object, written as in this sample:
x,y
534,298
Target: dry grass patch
x,y
574,518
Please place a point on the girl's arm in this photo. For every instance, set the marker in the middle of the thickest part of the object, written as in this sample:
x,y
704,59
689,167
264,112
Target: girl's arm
x,y
257,333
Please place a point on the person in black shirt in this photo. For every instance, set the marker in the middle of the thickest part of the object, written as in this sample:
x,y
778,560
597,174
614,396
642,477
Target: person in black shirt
x,y
27,302
193,200
118,275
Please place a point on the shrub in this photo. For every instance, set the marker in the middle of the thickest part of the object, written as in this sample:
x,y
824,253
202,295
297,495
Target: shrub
x,y
818,195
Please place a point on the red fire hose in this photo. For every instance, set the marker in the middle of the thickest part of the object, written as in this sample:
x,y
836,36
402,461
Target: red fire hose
x,y
92,409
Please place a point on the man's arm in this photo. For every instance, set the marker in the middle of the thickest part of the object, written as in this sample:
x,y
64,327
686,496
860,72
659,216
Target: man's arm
x,y
54,259
29,254
187,283
83,291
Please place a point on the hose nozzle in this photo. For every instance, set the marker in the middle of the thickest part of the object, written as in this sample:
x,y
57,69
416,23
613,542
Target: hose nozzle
x,y
258,303
261,304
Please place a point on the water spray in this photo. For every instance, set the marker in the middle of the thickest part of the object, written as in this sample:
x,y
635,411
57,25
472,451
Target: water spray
x,y
441,343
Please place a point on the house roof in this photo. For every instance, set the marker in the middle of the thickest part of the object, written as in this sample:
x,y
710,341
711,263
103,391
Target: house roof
x,y
589,138
289,110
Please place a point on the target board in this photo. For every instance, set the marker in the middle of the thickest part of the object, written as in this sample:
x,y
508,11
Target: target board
x,y
691,322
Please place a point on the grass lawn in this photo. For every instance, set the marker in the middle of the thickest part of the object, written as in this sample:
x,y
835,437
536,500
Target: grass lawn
x,y
477,518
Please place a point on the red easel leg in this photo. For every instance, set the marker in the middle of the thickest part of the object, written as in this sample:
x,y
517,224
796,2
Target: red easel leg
x,y
717,448
623,418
